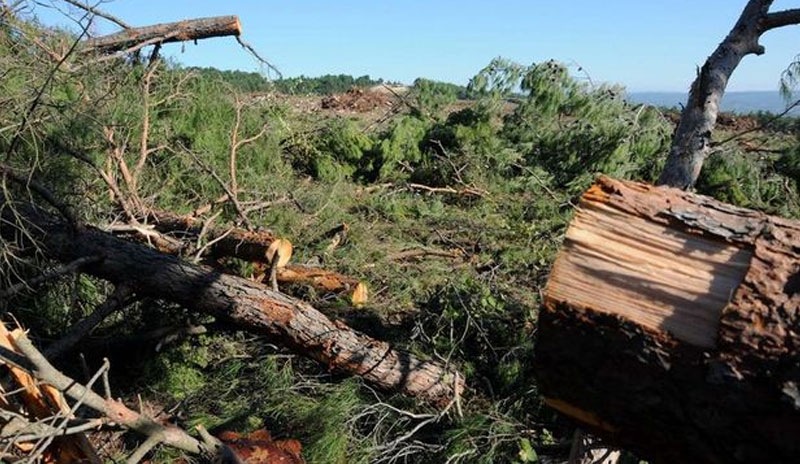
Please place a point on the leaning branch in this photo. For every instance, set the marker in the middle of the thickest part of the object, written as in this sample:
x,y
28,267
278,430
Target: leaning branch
x,y
99,13
181,31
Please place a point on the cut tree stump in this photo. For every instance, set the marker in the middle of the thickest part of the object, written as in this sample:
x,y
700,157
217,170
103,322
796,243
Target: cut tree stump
x,y
190,29
248,304
671,326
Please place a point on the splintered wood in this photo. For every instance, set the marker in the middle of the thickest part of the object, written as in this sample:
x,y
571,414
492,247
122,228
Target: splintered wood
x,y
671,326
40,402
645,272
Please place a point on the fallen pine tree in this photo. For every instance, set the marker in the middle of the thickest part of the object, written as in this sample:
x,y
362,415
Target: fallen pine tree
x,y
671,326
248,304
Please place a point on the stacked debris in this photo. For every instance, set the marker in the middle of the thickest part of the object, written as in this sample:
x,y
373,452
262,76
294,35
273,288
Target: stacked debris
x,y
357,100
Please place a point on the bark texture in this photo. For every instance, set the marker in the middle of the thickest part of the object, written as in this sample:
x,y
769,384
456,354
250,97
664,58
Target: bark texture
x,y
191,29
671,326
246,303
691,143
250,246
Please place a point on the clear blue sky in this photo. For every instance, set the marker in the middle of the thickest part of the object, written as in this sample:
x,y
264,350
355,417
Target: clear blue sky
x,y
646,45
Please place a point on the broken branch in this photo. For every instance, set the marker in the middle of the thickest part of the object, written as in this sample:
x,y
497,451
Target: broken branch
x,y
191,29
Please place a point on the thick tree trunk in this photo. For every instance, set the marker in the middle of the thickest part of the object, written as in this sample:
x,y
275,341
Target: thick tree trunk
x,y
691,143
191,29
671,326
250,305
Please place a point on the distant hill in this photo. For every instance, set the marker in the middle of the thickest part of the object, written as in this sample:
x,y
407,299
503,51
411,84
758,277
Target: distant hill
x,y
734,102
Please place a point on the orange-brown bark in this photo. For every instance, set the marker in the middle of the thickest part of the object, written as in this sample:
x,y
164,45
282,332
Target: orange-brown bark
x,y
253,246
190,29
671,325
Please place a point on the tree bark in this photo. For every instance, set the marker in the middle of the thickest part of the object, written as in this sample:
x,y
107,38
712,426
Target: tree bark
x,y
191,29
671,326
246,303
250,246
691,143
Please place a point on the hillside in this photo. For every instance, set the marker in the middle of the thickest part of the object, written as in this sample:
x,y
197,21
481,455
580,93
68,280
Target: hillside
x,y
447,203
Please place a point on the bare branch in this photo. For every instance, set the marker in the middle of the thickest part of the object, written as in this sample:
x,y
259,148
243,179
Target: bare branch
x,y
780,19
37,99
253,52
49,275
42,191
143,151
41,369
231,195
99,13
234,150
759,127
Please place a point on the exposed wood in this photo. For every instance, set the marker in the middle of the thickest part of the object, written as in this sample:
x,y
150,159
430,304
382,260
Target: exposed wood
x,y
360,295
246,303
41,403
278,254
283,249
190,29
671,326
324,280
35,364
253,246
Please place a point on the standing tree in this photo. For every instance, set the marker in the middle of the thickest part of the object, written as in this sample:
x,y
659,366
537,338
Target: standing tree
x,y
692,141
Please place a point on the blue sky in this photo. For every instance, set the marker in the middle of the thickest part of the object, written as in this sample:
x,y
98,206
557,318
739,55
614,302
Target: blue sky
x,y
643,45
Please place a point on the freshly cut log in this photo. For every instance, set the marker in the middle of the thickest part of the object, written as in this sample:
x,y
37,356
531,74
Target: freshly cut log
x,y
324,280
671,326
252,306
180,31
237,242
254,246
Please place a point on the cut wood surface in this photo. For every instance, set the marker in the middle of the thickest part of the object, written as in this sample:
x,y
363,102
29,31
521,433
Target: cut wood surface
x,y
224,242
671,325
254,246
180,31
248,304
41,403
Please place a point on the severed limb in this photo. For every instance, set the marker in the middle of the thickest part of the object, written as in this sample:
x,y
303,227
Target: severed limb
x,y
49,275
25,356
132,39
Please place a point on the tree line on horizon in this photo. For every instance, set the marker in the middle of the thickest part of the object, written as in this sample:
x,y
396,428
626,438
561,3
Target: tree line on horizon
x,y
327,84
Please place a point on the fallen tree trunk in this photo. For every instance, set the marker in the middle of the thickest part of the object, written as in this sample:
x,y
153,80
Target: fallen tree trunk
x,y
248,304
671,326
190,29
